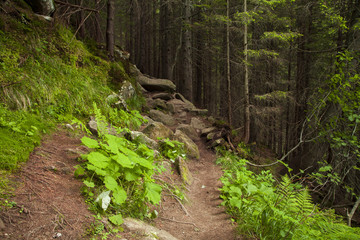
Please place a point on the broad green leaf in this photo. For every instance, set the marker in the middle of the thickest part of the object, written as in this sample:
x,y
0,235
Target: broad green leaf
x,y
123,160
143,162
90,143
97,170
89,184
98,160
119,196
131,176
116,219
112,144
79,171
110,183
153,192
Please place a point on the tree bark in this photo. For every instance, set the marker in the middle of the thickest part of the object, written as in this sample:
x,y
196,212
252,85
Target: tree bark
x,y
246,82
228,76
188,88
110,40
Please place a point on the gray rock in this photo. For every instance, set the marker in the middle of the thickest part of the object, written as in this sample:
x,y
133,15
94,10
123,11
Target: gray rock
x,y
157,130
159,116
191,148
126,91
132,225
163,96
142,138
69,126
42,7
210,136
156,84
159,104
184,171
176,106
198,111
206,131
2,225
93,127
189,105
197,123
189,131
218,142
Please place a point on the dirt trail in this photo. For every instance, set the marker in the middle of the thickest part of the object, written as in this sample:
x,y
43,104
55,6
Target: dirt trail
x,y
49,202
206,220
47,196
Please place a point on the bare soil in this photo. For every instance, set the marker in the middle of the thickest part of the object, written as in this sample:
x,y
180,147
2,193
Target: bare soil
x,y
49,203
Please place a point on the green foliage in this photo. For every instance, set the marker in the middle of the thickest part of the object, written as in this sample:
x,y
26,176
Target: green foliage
x,y
269,211
20,132
171,149
122,171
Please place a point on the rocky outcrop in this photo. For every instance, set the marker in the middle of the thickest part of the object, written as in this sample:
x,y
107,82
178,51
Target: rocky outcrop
x,y
147,231
197,123
142,138
191,148
156,84
42,7
189,131
184,171
164,118
157,130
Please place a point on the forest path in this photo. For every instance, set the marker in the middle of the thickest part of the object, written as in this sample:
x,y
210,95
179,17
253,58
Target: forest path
x,y
206,220
48,202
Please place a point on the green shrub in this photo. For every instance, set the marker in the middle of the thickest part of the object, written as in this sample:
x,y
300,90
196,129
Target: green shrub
x,y
275,211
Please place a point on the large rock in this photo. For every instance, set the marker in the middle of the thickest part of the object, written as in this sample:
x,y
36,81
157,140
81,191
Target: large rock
x,y
142,138
189,131
197,123
176,106
159,116
191,148
156,104
149,232
42,7
190,106
108,129
157,130
184,171
156,84
126,91
163,96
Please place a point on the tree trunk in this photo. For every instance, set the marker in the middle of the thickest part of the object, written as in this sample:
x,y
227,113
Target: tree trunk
x,y
228,77
246,83
110,40
188,88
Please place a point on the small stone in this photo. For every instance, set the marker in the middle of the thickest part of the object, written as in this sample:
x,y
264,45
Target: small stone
x,y
57,235
2,225
69,126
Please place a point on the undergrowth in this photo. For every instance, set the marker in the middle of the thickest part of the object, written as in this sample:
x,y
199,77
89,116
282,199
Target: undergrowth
x,y
47,77
268,209
118,173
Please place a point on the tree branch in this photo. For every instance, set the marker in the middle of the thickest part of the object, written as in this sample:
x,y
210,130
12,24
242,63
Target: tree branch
x,y
76,6
351,214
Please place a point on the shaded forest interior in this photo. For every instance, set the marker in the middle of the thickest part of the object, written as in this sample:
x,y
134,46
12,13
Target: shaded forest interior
x,y
283,74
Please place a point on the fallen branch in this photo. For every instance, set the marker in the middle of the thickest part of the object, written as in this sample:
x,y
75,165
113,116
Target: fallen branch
x,y
76,6
168,219
351,214
179,201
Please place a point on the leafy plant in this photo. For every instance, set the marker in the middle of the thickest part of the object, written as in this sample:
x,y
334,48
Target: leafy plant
x,y
124,171
171,149
270,211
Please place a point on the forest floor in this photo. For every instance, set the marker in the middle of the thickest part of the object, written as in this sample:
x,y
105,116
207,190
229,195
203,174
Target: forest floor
x,y
47,201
